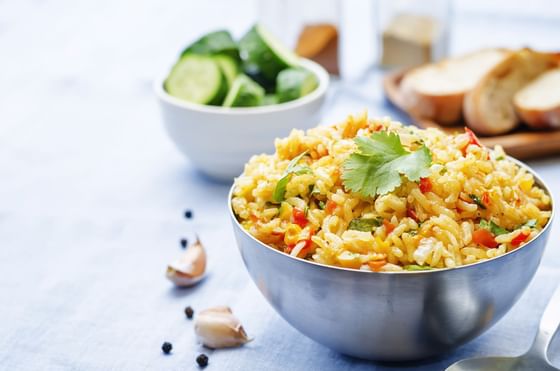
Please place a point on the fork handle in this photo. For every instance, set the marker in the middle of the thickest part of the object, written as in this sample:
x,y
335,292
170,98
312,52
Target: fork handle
x,y
547,327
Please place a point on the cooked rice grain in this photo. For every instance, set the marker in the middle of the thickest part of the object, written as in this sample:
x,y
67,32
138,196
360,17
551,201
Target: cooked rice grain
x,y
447,214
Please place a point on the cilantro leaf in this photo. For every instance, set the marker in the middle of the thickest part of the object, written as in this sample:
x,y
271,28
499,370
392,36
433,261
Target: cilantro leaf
x,y
477,201
381,159
293,168
531,223
364,224
492,227
293,163
388,144
414,267
313,190
300,169
280,190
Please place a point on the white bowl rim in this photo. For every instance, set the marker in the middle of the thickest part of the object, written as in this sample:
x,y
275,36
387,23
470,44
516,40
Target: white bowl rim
x,y
314,67
538,179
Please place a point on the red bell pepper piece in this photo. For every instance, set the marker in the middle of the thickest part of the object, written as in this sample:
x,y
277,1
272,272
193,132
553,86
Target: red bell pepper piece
x,y
389,227
485,199
521,237
425,185
299,218
330,207
473,139
412,214
485,238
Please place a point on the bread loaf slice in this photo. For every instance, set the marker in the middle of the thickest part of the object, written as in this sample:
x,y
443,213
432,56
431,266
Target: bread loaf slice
x,y
488,107
436,91
538,103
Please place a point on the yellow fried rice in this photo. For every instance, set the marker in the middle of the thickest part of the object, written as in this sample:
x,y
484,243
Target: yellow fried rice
x,y
418,227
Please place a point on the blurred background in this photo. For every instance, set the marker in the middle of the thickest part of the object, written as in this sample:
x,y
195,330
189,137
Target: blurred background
x,y
79,49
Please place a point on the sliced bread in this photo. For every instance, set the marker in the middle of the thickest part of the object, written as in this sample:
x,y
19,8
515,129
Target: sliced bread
x,y
538,103
436,91
488,107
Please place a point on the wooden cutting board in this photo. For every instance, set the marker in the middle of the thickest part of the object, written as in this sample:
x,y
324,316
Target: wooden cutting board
x,y
523,143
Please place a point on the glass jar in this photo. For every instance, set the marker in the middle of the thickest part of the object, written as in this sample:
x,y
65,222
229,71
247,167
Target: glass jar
x,y
309,27
412,32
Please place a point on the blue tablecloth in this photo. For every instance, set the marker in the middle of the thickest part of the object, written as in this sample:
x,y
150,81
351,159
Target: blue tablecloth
x,y
92,196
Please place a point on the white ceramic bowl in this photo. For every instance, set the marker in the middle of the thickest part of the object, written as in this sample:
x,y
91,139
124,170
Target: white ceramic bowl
x,y
219,140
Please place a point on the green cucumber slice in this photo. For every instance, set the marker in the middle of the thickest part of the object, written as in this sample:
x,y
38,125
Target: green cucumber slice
x,y
244,93
253,71
197,79
294,83
269,99
217,42
260,47
229,67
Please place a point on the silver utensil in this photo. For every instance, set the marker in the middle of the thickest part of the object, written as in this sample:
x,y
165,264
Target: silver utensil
x,y
534,359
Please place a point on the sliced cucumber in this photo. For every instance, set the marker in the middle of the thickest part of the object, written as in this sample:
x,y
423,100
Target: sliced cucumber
x,y
229,66
197,79
217,42
244,93
294,83
258,46
269,99
253,71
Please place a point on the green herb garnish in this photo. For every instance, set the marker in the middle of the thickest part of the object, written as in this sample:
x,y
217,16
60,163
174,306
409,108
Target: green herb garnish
x,y
365,224
531,223
293,168
321,205
500,158
414,267
477,201
492,227
313,190
376,167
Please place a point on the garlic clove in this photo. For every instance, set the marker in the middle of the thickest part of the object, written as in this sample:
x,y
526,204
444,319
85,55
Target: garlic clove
x,y
189,268
218,328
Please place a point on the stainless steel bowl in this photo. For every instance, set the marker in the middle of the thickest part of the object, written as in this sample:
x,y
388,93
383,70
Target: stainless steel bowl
x,y
390,316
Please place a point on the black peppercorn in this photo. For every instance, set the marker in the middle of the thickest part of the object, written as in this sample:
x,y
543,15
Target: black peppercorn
x,y
166,347
184,242
202,360
189,312
188,214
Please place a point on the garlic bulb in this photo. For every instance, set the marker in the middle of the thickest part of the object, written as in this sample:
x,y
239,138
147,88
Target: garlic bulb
x,y
189,268
218,328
